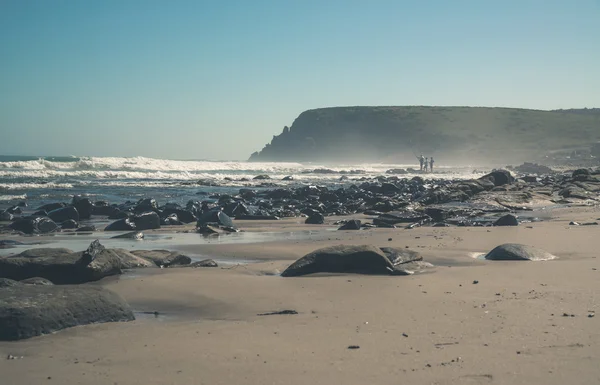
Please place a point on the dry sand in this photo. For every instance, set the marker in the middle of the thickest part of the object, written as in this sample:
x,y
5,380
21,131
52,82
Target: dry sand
x,y
432,328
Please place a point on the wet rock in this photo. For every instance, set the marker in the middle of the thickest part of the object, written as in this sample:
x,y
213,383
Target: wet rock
x,y
86,229
69,224
37,281
84,206
51,206
129,260
185,216
215,217
6,216
581,171
288,178
261,177
64,214
353,224
315,218
145,205
507,220
34,225
499,177
209,230
104,209
163,258
362,259
399,171
9,243
29,310
396,217
518,252
147,221
135,235
125,224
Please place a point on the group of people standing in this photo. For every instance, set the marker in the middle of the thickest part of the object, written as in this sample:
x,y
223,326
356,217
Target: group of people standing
x,y
426,163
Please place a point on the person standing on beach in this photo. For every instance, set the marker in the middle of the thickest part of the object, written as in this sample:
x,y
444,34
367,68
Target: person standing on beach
x,y
421,161
426,164
431,161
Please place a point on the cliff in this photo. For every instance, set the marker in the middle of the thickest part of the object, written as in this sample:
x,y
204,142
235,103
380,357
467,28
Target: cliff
x,y
454,134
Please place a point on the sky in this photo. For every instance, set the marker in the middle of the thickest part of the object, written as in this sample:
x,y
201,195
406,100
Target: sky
x,y
217,79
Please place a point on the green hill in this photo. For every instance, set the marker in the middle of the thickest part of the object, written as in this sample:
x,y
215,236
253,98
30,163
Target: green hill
x,y
451,134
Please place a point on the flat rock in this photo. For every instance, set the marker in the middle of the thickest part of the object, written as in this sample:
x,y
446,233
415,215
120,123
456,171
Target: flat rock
x,y
37,281
363,259
518,252
62,266
399,256
163,258
30,310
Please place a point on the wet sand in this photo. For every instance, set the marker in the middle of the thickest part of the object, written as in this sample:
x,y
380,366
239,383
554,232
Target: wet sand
x,y
433,328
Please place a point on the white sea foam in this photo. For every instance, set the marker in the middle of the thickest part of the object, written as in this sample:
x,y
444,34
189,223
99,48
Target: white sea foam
x,y
13,197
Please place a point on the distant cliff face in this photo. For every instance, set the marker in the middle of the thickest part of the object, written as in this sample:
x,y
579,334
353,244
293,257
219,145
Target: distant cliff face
x,y
454,134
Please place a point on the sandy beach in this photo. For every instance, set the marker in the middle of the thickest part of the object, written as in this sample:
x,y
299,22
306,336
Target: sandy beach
x,y
467,321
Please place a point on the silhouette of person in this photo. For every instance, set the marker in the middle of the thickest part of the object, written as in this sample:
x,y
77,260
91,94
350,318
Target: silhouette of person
x,y
426,164
421,161
431,162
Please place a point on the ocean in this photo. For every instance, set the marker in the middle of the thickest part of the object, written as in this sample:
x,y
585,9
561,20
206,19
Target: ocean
x,y
40,180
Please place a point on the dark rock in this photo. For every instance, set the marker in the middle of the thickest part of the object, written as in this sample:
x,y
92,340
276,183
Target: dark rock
x,y
147,221
61,266
203,263
40,213
135,235
37,281
30,310
261,177
353,224
185,216
86,229
125,224
51,206
84,206
362,259
209,230
163,258
14,210
499,177
146,204
257,217
581,171
534,168
69,224
6,216
171,220
8,243
129,260
64,214
395,217
507,220
281,312
7,282
518,252
103,208
315,219
399,256
34,225
217,217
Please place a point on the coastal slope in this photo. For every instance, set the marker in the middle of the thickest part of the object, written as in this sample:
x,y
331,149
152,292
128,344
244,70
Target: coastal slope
x,y
454,134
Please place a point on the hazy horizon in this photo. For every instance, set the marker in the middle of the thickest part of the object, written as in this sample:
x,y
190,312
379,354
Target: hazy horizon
x,y
204,80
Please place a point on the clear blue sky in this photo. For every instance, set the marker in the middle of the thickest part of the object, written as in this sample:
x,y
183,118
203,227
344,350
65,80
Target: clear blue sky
x,y
216,79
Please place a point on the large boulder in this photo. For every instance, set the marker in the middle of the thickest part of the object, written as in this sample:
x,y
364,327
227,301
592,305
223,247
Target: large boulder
x,y
32,310
362,259
163,258
185,216
315,218
146,204
518,252
64,214
147,221
62,266
84,206
34,225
